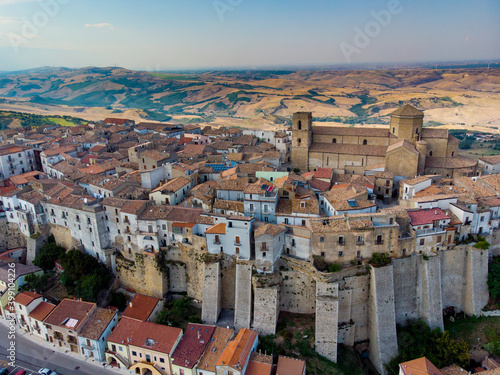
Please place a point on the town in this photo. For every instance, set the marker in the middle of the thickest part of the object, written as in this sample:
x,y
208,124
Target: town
x,y
362,228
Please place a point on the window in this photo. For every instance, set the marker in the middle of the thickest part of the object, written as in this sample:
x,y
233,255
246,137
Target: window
x,y
360,240
162,360
302,204
134,353
482,218
341,254
251,206
322,239
264,254
393,130
379,239
264,245
299,125
358,254
230,225
299,141
266,208
365,142
293,243
217,239
303,223
422,241
341,240
452,153
286,221
439,238
334,140
237,250
237,240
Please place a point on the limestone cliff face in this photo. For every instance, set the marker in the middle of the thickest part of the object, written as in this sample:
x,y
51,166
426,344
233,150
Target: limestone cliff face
x,y
10,236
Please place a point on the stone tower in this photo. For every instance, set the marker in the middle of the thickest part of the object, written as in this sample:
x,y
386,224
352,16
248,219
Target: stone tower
x,y
407,123
301,140
422,147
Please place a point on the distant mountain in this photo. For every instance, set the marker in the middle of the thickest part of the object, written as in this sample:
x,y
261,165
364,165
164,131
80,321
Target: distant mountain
x,y
269,96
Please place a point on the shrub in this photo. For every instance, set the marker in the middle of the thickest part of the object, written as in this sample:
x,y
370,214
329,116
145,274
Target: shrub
x,y
380,259
334,267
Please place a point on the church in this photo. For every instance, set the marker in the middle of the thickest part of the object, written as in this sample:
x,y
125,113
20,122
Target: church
x,y
404,148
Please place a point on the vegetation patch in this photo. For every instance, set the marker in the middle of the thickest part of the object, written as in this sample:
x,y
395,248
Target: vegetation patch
x,y
179,313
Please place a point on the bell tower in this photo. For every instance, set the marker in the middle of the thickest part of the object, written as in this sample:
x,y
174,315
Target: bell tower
x,y
407,123
301,140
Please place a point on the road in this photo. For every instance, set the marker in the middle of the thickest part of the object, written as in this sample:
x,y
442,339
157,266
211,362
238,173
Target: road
x,y
32,356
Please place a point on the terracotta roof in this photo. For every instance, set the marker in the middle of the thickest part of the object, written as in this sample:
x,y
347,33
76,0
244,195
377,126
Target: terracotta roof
x,y
350,149
492,180
256,367
453,370
237,184
155,213
192,345
42,310
351,131
404,143
420,366
133,206
407,110
323,173
70,309
155,155
319,185
172,186
141,307
256,187
428,216
416,180
475,187
124,330
271,229
229,205
217,344
456,162
206,220
237,352
434,133
493,159
184,215
290,366
97,324
25,298
387,175
155,337
217,229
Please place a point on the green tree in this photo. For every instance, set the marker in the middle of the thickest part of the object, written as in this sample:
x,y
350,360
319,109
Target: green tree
x,y
484,245
48,254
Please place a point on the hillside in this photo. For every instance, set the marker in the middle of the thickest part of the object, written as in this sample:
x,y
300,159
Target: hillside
x,y
454,98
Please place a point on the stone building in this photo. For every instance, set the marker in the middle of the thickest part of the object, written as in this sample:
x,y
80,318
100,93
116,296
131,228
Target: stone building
x,y
405,147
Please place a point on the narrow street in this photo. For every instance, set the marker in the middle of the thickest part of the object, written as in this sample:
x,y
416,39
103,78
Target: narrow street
x,y
32,356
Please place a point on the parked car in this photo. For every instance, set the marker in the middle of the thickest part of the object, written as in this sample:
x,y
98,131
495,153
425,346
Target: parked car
x,y
46,371
21,372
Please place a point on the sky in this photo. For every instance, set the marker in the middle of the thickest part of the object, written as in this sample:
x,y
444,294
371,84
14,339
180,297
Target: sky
x,y
192,34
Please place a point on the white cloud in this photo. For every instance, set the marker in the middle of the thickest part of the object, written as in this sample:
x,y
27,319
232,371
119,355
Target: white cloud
x,y
100,25
8,20
13,2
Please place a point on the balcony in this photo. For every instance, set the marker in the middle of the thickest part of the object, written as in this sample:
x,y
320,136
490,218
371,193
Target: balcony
x,y
237,243
430,232
72,340
360,243
216,242
381,242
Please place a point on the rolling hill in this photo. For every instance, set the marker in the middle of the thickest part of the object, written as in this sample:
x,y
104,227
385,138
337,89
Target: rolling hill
x,y
458,97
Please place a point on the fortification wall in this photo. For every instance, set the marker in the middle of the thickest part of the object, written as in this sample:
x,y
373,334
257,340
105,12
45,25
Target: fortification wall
x,y
63,237
431,304
476,278
243,297
211,303
407,276
298,293
327,318
453,277
382,317
10,236
266,309
356,307
141,275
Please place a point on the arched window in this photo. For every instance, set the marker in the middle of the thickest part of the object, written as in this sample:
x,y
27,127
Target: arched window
x,y
300,125
334,140
299,141
365,142
452,153
430,153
